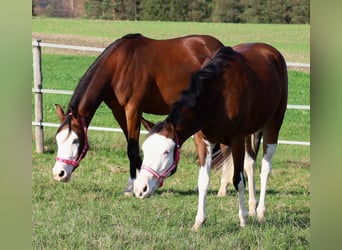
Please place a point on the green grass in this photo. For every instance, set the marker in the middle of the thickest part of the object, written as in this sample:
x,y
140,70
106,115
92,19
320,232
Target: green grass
x,y
292,40
90,212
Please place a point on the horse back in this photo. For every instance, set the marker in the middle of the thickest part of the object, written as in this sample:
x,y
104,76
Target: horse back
x,y
159,69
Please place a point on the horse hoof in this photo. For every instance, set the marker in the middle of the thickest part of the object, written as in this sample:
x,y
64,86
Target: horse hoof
x,y
261,219
221,194
252,213
127,193
195,227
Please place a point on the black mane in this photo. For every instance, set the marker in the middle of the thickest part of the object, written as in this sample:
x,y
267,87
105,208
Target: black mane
x,y
130,36
199,80
157,128
86,78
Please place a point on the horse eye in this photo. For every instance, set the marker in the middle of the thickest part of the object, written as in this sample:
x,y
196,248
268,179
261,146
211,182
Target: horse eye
x,y
166,152
75,141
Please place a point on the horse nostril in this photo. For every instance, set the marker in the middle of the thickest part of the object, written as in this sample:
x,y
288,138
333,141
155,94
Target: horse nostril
x,y
145,189
61,174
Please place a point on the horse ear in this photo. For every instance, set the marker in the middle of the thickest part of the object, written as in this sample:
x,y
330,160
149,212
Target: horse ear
x,y
73,112
147,124
60,112
170,128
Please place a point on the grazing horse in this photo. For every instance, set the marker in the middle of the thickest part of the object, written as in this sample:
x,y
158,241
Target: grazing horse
x,y
237,93
134,74
222,158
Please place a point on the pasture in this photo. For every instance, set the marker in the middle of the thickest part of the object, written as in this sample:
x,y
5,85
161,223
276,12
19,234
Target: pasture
x,y
90,212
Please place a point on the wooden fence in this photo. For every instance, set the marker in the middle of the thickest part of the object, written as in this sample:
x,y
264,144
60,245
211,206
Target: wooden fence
x,y
38,92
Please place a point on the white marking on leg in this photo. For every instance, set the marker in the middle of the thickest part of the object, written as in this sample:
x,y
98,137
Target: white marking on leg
x,y
130,186
249,166
203,185
227,176
266,168
242,209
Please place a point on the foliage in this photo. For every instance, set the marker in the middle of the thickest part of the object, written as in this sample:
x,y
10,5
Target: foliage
x,y
233,11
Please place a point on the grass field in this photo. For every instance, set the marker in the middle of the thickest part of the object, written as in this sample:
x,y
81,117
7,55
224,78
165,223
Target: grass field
x,y
91,213
292,40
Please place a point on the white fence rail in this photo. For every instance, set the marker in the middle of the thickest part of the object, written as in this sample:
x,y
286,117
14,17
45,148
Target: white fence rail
x,y
94,49
38,91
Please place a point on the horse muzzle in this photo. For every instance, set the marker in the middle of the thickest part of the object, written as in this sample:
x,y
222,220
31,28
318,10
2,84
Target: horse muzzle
x,y
62,173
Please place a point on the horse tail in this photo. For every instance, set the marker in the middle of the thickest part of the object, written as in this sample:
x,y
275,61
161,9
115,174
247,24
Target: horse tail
x,y
253,144
222,154
223,159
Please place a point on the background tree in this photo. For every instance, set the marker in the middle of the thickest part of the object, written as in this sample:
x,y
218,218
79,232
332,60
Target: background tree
x,y
235,11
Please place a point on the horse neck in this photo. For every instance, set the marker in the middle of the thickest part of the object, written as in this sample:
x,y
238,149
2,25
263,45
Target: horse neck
x,y
89,96
185,126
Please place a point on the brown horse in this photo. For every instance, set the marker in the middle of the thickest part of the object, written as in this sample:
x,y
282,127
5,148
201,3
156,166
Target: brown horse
x,y
134,74
237,93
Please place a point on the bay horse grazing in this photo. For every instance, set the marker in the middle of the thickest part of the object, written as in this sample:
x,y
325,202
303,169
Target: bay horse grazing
x,y
235,94
134,74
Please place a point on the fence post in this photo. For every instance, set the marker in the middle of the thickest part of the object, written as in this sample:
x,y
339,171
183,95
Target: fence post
x,y
38,96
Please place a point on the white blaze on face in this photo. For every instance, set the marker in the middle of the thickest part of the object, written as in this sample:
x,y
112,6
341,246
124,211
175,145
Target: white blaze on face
x,y
159,156
68,144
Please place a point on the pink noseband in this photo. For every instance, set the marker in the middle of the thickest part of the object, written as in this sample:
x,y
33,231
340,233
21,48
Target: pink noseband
x,y
161,177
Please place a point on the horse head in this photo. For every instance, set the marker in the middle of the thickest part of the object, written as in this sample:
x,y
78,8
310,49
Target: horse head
x,y
72,143
161,155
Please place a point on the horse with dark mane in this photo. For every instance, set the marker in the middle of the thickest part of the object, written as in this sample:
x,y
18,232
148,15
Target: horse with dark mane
x,y
134,74
238,92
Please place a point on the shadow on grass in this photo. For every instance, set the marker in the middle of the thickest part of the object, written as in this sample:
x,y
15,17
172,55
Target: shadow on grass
x,y
213,192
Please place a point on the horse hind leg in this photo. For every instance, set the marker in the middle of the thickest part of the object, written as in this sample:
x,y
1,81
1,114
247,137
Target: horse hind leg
x,y
227,170
269,147
227,176
252,143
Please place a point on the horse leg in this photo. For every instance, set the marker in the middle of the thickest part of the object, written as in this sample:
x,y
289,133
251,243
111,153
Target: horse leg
x,y
133,151
266,168
238,152
203,183
132,141
252,143
227,171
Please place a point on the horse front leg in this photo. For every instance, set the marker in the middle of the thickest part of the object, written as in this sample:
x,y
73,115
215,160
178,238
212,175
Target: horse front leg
x,y
133,150
238,151
203,183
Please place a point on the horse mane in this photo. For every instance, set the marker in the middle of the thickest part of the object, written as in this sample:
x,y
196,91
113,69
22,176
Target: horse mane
x,y
198,84
157,128
67,121
86,78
